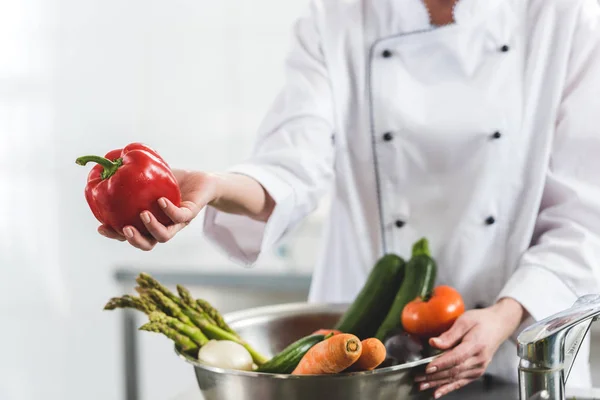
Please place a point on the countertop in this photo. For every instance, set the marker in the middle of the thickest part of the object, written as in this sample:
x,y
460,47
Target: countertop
x,y
481,389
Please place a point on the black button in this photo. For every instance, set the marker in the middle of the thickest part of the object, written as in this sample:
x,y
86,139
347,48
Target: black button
x,y
490,220
504,48
497,135
333,139
388,136
399,224
386,53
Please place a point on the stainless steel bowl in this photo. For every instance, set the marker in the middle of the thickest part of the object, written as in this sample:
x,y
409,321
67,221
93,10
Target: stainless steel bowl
x,y
269,330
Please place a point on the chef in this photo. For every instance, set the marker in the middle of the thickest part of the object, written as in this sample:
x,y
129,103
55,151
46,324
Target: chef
x,y
472,123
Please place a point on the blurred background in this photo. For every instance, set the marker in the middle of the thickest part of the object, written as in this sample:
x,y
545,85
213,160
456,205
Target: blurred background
x,y
192,79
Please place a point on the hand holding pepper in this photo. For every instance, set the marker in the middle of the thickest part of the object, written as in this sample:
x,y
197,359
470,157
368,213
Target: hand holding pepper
x,y
197,190
161,213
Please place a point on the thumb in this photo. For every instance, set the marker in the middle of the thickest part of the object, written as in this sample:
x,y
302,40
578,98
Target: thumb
x,y
452,336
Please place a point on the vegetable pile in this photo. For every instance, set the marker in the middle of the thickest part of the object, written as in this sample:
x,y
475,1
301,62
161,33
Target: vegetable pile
x,y
389,323
400,306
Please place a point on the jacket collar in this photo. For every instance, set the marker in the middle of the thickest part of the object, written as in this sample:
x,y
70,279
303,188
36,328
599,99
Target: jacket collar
x,y
405,16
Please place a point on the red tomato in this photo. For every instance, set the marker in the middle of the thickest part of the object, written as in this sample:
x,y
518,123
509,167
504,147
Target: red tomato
x,y
432,317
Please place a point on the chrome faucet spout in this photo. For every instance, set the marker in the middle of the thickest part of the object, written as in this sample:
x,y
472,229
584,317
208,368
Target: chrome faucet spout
x,y
548,348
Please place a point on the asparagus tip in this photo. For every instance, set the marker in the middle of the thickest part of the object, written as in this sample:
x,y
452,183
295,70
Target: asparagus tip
x,y
149,327
110,305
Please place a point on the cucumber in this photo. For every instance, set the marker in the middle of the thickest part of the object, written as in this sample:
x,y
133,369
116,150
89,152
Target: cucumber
x,y
288,359
419,279
371,305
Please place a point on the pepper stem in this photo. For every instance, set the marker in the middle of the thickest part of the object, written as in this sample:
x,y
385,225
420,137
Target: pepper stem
x,y
110,167
421,248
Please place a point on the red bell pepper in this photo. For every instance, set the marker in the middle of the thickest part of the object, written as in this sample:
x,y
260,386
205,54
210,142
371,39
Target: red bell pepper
x,y
126,182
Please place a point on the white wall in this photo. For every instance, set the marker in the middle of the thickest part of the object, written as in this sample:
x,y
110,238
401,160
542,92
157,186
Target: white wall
x,y
191,78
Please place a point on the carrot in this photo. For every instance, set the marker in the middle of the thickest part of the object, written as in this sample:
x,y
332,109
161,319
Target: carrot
x,y
372,355
326,332
330,356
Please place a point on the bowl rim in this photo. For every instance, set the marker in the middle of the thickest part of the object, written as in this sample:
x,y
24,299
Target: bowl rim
x,y
268,375
269,311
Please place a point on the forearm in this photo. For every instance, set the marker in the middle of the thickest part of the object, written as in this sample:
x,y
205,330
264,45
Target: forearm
x,y
242,195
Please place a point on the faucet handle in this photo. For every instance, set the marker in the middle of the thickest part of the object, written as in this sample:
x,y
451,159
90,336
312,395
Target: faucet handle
x,y
538,342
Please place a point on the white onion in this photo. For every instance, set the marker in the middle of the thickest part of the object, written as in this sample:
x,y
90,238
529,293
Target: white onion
x,y
225,354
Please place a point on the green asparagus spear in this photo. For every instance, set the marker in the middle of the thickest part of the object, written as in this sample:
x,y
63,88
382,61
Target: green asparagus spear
x,y
190,331
189,301
214,332
127,301
148,282
140,290
186,296
215,315
150,306
169,307
182,341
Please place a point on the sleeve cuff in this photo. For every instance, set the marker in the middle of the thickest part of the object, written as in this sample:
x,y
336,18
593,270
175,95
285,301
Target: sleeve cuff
x,y
541,292
242,238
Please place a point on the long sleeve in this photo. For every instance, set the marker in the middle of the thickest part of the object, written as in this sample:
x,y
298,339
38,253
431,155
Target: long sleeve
x,y
564,261
293,155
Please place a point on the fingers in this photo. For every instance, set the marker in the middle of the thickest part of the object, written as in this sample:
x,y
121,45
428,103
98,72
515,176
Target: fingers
x,y
135,238
453,335
161,233
455,357
468,375
473,367
110,233
183,214
450,387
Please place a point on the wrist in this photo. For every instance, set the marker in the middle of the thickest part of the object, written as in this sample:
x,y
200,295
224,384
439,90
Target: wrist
x,y
511,311
240,194
218,184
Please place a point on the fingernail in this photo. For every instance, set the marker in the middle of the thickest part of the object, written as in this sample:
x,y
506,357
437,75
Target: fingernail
x,y
145,217
425,386
128,232
162,203
431,370
419,379
438,395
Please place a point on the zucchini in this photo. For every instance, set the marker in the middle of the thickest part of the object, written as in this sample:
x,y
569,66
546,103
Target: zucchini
x,y
419,279
371,305
288,359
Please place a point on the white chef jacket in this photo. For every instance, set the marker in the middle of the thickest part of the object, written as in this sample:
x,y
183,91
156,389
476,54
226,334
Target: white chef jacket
x,y
482,136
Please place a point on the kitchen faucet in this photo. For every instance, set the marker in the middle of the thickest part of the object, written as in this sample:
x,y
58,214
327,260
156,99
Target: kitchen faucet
x,y
548,348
